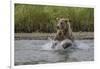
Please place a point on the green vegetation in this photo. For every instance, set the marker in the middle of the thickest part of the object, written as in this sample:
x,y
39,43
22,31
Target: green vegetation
x,y
42,18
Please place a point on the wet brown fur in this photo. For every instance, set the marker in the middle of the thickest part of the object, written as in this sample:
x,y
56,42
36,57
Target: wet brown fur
x,y
64,30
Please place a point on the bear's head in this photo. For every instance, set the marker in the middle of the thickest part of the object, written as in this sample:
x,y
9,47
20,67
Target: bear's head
x,y
63,23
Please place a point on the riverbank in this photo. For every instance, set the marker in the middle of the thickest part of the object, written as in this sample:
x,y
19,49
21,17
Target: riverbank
x,y
44,36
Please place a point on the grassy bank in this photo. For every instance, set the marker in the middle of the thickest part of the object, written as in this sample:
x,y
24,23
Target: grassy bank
x,y
44,36
42,18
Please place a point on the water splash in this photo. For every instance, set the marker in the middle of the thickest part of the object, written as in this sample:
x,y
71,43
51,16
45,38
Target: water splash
x,y
52,45
57,45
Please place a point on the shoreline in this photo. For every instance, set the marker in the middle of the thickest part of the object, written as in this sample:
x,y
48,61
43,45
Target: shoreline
x,y
44,36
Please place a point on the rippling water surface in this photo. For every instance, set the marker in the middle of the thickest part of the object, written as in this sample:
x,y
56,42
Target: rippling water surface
x,y
29,52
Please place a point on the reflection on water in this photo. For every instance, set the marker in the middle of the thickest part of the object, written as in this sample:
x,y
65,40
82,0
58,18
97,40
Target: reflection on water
x,y
39,51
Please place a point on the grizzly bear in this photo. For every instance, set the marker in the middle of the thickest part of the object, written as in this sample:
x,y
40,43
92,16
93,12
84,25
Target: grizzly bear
x,y
64,30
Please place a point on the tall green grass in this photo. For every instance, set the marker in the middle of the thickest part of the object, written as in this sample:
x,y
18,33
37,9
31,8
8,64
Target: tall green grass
x,y
42,18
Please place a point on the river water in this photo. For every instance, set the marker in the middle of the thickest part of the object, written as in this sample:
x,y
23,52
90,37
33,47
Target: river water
x,y
29,52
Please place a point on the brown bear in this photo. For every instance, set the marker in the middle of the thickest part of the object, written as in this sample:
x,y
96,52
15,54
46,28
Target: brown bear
x,y
64,30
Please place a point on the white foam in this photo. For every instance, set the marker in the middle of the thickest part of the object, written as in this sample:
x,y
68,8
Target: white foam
x,y
55,45
47,46
50,44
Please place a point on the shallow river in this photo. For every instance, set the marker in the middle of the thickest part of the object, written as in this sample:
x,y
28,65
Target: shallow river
x,y
29,52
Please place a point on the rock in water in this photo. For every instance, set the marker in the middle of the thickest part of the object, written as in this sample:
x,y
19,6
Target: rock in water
x,y
66,43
